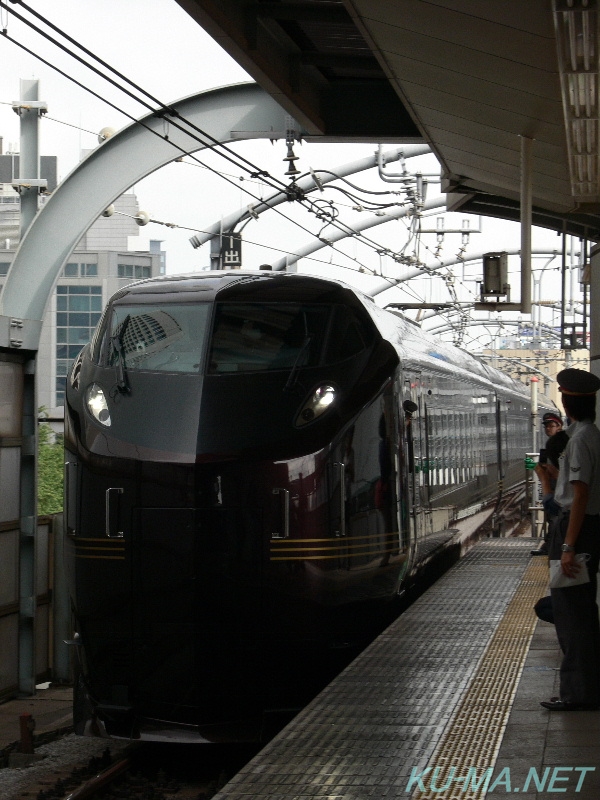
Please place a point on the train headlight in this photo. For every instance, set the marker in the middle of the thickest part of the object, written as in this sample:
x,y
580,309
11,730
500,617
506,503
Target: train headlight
x,y
317,404
97,405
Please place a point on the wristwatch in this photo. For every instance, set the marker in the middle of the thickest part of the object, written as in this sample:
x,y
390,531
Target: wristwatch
x,y
567,548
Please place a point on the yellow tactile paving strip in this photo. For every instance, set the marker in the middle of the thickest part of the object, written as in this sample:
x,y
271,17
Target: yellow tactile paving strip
x,y
473,738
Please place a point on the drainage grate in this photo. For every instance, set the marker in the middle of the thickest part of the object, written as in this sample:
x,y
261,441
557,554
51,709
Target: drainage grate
x,y
470,744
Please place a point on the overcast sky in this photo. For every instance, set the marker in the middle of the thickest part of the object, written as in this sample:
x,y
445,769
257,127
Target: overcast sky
x,y
155,44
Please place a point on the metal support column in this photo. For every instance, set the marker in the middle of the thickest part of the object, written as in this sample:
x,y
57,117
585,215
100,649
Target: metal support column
x,y
29,184
526,165
595,316
62,630
29,108
28,529
215,248
532,481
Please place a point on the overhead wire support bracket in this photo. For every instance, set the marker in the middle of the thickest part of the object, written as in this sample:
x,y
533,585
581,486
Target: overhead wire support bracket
x,y
167,111
19,106
316,179
390,178
30,183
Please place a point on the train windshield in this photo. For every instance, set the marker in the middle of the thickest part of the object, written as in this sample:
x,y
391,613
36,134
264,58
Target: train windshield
x,y
167,338
251,337
246,337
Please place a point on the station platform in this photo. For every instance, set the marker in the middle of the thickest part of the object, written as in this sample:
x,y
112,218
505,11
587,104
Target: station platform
x,y
444,704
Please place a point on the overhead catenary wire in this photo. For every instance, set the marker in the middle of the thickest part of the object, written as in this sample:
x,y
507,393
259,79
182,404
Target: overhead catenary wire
x,y
69,124
256,244
156,133
356,188
362,268
165,110
190,155
368,206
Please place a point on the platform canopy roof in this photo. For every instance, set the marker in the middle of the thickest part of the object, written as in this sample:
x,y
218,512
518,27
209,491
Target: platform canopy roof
x,y
467,77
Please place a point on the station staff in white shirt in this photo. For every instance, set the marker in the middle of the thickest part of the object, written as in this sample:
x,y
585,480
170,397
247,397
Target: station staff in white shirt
x,y
578,531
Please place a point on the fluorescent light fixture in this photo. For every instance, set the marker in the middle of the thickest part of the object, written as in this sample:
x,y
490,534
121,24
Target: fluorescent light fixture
x,y
577,39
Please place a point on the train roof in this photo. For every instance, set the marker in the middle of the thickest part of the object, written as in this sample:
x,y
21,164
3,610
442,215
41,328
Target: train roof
x,y
417,347
212,282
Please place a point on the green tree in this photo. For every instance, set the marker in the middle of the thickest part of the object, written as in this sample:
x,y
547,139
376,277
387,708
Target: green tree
x,y
50,471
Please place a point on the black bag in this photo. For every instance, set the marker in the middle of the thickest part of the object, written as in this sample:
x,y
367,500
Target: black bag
x,y
543,609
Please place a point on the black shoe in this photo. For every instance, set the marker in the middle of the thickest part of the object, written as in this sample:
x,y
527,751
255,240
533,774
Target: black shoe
x,y
542,551
556,704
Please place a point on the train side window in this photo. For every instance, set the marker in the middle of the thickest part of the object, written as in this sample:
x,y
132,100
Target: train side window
x,y
432,438
445,447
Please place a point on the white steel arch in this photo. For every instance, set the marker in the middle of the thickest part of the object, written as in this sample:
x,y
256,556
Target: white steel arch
x,y
117,164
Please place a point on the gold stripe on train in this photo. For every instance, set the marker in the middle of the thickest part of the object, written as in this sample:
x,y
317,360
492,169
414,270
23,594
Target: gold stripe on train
x,y
337,546
104,558
329,539
93,539
341,555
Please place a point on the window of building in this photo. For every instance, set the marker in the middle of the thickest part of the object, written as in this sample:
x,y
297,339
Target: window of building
x,y
4,265
125,270
76,270
62,366
78,309
133,271
60,386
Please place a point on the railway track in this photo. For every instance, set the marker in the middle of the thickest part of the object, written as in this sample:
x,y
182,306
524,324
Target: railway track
x,y
148,772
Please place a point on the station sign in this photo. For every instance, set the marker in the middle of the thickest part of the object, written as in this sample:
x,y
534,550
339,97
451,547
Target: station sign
x,y
231,251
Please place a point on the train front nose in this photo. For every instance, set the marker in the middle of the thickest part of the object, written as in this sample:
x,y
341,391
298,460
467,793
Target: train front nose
x,y
196,619
211,448
221,629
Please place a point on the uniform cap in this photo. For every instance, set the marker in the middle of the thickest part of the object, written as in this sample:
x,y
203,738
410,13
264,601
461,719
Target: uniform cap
x,y
577,382
552,416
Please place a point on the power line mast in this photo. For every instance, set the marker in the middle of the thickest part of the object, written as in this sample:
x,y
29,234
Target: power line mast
x,y
29,108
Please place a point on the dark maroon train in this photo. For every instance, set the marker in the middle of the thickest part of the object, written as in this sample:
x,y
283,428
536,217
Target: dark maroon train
x,y
256,465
